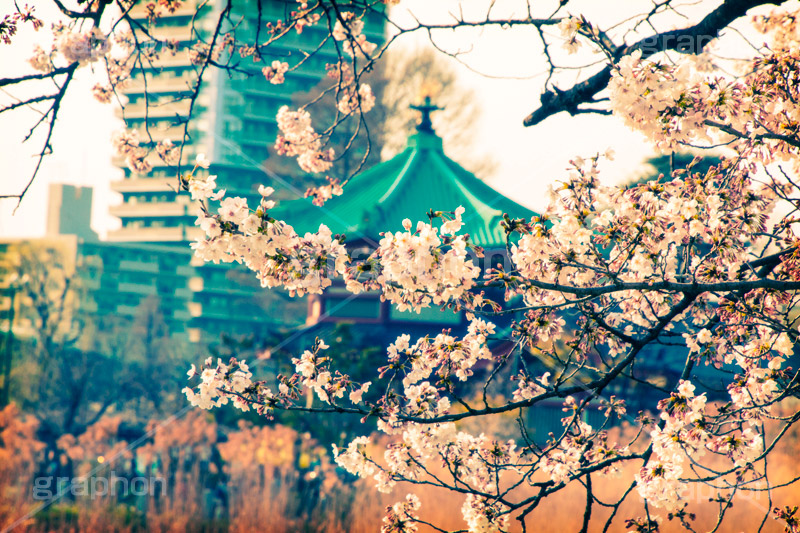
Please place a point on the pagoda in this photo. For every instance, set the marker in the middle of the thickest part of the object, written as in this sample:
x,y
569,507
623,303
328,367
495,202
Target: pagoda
x,y
418,179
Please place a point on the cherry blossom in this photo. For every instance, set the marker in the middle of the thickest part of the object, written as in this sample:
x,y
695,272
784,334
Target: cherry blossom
x,y
700,264
275,72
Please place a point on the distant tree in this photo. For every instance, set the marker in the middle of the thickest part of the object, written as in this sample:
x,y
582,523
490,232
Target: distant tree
x,y
146,348
58,377
399,82
406,77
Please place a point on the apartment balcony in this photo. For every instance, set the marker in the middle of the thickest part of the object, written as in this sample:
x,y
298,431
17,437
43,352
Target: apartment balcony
x,y
127,310
180,234
181,59
151,209
189,154
140,185
137,266
187,8
137,288
157,134
231,289
155,110
161,32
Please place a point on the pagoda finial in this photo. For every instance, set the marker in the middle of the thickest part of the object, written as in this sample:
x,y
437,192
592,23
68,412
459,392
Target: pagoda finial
x,y
425,110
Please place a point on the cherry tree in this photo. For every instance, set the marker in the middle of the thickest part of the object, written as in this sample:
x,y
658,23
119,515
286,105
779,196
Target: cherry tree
x,y
705,262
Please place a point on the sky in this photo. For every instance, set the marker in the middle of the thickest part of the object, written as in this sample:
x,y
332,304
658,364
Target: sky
x,y
529,159
81,142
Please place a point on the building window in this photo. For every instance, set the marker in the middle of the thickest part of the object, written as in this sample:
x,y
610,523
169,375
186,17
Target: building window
x,y
353,308
428,314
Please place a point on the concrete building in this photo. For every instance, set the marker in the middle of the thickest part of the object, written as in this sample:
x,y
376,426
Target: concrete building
x,y
112,281
233,121
107,280
69,211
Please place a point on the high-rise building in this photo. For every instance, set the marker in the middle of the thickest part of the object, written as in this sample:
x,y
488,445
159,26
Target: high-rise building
x,y
233,120
233,123
69,211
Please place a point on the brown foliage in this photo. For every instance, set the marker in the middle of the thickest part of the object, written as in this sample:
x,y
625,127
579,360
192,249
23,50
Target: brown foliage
x,y
274,479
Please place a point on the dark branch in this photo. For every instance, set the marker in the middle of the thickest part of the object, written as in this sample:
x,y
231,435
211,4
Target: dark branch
x,y
556,101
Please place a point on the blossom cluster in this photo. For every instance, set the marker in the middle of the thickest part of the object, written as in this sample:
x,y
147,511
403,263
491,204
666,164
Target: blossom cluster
x,y
349,31
275,72
322,193
11,21
694,261
320,380
353,99
569,27
683,416
220,383
686,106
661,232
115,51
80,47
299,139
478,459
401,517
272,249
126,144
419,270
412,269
443,353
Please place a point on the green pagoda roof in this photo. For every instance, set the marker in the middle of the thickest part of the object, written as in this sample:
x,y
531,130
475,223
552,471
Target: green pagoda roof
x,y
418,179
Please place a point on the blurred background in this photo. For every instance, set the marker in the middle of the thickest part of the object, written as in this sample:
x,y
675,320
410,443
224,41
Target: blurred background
x,y
103,308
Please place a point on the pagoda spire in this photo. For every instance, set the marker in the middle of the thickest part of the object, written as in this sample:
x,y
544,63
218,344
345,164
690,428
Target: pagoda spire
x,y
425,109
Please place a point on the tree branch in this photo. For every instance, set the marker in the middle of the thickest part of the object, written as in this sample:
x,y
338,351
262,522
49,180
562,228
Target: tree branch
x,y
556,101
